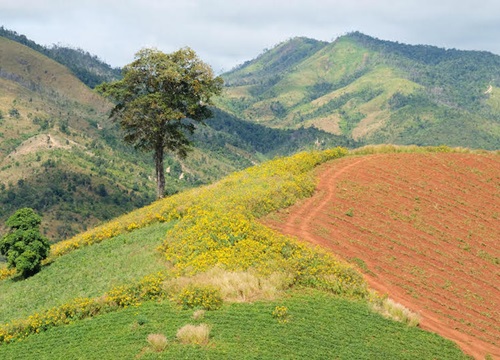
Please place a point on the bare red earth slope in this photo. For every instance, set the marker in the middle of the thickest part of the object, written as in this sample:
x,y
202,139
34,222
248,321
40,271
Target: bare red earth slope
x,y
425,229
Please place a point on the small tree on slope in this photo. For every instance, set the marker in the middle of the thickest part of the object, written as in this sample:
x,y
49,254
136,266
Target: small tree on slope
x,y
24,246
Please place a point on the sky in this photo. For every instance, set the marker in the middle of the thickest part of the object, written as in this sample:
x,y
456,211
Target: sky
x,y
226,33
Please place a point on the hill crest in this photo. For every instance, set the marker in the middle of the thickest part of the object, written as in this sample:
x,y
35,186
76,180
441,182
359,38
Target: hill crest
x,y
88,68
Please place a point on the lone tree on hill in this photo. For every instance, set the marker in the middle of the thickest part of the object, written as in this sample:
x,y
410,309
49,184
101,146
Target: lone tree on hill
x,y
24,245
160,99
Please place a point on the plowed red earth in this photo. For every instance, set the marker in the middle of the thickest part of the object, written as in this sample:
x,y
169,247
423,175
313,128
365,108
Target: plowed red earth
x,y
425,229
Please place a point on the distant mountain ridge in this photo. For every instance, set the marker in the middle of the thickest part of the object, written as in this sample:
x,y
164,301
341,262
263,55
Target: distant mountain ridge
x,y
282,58
88,68
373,91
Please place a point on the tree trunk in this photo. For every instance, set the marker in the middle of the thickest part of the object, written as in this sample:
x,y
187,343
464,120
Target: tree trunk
x,y
160,172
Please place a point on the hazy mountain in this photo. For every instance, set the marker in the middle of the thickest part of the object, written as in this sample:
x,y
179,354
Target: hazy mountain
x,y
87,67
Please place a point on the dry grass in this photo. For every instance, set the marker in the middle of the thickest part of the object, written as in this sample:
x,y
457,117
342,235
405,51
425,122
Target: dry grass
x,y
199,314
194,334
157,341
390,149
235,286
393,310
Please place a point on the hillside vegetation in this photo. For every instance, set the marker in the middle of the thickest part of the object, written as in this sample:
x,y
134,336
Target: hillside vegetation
x,y
259,289
54,151
60,155
373,91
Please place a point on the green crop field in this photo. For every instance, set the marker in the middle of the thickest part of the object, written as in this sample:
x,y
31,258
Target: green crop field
x,y
320,326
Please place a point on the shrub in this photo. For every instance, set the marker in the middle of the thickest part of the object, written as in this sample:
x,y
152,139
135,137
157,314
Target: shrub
x,y
204,297
393,310
24,245
281,314
194,334
235,286
14,113
6,273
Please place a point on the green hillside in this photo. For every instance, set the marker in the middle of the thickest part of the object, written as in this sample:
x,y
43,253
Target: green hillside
x,y
373,91
112,293
55,152
60,155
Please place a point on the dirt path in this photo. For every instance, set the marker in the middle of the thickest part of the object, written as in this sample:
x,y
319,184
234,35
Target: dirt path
x,y
368,208
300,222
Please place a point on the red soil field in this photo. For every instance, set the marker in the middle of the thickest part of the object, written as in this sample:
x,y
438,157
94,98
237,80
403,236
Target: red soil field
x,y
423,228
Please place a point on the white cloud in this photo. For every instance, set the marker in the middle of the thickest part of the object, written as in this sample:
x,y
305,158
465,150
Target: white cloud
x,y
226,33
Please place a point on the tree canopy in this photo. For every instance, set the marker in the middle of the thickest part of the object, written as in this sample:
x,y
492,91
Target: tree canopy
x,y
160,99
24,245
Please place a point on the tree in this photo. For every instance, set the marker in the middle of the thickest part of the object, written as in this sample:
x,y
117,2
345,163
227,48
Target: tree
x,y
160,99
24,245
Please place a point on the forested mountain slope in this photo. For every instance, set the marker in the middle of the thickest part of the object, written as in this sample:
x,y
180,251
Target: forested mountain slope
x,y
373,91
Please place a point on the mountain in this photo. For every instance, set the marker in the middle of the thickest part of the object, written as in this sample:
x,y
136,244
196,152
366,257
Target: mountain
x,y
55,152
372,91
88,68
61,155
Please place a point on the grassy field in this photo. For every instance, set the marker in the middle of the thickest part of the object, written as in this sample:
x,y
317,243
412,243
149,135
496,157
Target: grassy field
x,y
320,326
87,272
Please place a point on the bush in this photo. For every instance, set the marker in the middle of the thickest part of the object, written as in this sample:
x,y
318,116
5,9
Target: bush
x,y
204,297
236,286
14,113
281,314
24,245
393,310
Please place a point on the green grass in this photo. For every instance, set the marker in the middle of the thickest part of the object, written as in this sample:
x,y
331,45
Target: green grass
x,y
320,327
87,272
